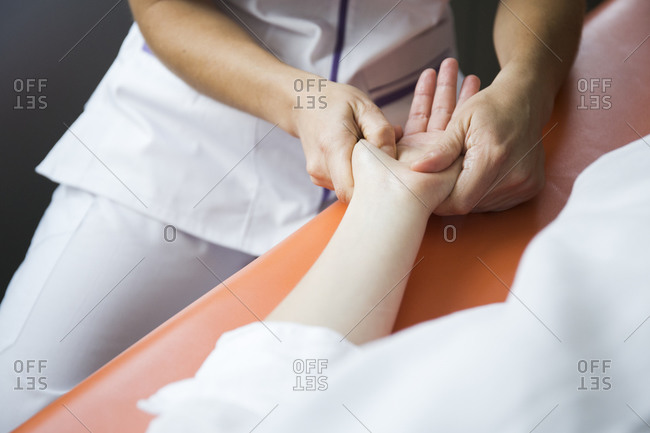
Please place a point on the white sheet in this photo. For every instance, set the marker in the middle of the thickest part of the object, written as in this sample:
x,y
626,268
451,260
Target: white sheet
x,y
575,319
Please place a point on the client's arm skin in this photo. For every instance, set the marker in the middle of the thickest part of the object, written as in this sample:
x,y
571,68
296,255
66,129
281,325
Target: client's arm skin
x,y
216,56
356,285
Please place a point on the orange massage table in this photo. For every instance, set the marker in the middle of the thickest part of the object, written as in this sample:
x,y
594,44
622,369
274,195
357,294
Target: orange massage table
x,y
468,261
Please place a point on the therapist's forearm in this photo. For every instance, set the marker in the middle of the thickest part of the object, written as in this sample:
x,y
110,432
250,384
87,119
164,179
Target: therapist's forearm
x,y
536,42
217,57
356,285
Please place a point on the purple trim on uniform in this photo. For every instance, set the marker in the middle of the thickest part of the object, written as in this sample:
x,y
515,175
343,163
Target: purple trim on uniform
x,y
402,91
146,48
326,196
340,38
395,95
434,63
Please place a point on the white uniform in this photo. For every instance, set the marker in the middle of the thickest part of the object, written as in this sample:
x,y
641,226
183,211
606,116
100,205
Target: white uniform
x,y
566,352
221,174
149,151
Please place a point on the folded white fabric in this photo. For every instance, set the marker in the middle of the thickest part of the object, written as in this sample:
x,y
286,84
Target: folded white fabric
x,y
568,350
250,371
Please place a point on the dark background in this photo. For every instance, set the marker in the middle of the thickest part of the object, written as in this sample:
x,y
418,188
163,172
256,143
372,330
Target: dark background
x,y
35,36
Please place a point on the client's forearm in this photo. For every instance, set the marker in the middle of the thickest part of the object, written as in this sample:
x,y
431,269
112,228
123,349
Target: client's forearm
x,y
356,285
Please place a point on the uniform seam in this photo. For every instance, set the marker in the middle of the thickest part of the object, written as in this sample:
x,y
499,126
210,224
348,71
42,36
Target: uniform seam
x,y
251,207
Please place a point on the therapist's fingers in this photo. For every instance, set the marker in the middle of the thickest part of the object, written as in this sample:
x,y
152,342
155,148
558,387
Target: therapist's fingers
x,y
399,132
447,149
421,106
479,172
340,168
444,101
375,129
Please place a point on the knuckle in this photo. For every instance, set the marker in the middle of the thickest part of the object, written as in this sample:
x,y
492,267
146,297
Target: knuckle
x,y
316,170
519,177
418,115
444,211
535,184
456,206
381,131
500,157
462,207
360,103
385,128
316,181
323,147
342,195
312,168
441,110
527,179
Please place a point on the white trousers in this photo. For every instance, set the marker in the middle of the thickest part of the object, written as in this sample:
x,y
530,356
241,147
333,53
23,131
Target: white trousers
x,y
97,277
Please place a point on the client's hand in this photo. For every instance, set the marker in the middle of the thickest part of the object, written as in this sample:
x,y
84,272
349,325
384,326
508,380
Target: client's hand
x,y
356,285
433,106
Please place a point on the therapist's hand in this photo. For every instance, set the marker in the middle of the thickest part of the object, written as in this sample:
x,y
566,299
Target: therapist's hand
x,y
432,107
498,130
329,118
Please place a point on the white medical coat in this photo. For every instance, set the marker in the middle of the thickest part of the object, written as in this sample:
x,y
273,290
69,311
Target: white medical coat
x,y
149,141
567,351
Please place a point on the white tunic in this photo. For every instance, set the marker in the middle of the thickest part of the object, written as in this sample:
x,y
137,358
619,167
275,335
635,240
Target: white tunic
x,y
149,141
567,351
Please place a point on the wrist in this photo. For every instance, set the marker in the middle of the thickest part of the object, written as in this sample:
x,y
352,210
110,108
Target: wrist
x,y
527,82
276,98
391,201
297,93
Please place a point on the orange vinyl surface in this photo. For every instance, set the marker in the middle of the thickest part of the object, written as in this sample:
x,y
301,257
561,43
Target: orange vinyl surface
x,y
475,269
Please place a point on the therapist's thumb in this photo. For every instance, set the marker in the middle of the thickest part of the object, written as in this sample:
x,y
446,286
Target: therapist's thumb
x,y
378,131
442,154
